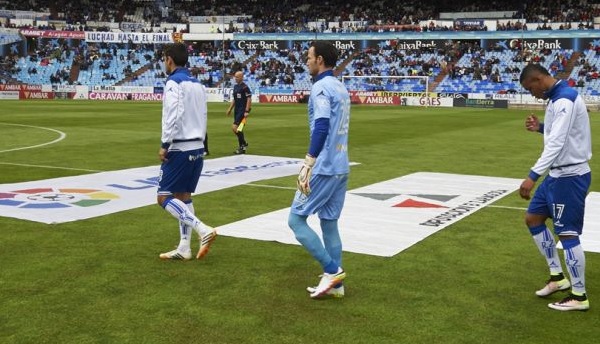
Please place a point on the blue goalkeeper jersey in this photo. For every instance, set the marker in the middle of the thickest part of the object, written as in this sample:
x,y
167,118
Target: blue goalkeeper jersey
x,y
330,99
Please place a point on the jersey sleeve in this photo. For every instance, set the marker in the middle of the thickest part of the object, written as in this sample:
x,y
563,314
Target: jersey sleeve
x,y
171,111
321,104
555,141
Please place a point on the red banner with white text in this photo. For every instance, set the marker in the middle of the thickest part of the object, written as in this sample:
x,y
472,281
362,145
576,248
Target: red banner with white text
x,y
53,34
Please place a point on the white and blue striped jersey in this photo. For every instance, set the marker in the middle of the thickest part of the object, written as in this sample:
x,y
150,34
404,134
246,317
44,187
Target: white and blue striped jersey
x,y
567,134
330,99
184,115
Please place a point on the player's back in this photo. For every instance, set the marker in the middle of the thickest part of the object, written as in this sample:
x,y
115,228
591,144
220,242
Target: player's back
x,y
193,108
333,159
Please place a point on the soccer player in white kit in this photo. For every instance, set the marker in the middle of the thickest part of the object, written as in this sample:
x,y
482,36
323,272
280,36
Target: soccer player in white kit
x,y
184,120
561,195
323,178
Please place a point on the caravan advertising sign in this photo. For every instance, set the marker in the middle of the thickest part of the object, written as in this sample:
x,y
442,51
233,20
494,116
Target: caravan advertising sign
x,y
125,96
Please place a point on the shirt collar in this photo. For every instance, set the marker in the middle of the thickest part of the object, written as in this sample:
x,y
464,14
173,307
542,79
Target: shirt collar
x,y
180,70
328,72
552,91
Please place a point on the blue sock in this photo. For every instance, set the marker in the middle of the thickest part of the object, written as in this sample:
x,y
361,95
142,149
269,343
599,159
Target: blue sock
x,y
311,242
333,243
331,239
331,268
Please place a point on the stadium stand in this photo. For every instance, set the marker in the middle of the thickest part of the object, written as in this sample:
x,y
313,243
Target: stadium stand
x,y
585,74
9,37
463,67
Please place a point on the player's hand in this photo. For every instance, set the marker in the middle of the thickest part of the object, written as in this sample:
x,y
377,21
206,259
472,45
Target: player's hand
x,y
526,187
532,123
305,173
162,154
228,113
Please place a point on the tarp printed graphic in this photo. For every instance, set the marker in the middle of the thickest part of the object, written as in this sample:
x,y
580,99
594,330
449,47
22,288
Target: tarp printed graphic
x,y
81,197
385,218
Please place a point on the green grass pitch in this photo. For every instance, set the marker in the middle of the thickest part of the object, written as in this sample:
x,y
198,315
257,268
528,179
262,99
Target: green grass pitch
x,y
100,280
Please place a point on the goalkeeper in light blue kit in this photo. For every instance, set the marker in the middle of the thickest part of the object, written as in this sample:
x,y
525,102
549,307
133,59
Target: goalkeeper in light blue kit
x,y
561,196
323,178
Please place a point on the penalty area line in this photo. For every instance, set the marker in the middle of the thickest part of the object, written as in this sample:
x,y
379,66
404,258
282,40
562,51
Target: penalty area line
x,y
52,167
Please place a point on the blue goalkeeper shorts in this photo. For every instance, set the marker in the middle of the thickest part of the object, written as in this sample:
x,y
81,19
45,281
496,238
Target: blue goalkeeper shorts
x,y
563,200
326,198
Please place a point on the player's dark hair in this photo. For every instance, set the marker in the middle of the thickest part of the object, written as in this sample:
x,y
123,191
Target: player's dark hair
x,y
178,52
531,69
327,51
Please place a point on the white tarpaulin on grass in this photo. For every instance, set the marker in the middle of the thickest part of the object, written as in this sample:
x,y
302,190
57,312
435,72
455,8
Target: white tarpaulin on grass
x,y
385,218
590,239
91,195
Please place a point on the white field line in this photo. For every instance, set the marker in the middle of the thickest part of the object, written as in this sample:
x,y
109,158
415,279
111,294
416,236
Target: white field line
x,y
505,207
60,138
53,167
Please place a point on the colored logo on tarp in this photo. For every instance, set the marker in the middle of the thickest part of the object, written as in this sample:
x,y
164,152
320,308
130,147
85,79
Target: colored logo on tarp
x,y
411,202
47,198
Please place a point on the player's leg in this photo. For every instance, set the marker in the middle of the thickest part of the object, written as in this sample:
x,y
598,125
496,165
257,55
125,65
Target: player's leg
x,y
331,239
185,231
311,241
302,206
206,233
568,197
535,218
329,215
175,182
190,205
168,183
178,209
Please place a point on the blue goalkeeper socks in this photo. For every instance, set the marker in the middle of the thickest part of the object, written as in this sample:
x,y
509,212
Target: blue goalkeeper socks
x,y
311,242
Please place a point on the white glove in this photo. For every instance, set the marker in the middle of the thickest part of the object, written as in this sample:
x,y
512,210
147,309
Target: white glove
x,y
305,173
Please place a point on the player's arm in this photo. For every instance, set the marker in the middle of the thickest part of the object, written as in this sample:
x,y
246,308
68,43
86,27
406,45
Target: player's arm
x,y
171,117
318,137
557,137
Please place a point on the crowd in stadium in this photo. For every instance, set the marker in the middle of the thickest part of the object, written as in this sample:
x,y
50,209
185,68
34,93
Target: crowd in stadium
x,y
277,15
117,62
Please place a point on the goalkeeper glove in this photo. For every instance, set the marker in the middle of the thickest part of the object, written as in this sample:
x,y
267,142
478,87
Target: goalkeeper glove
x,y
305,173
